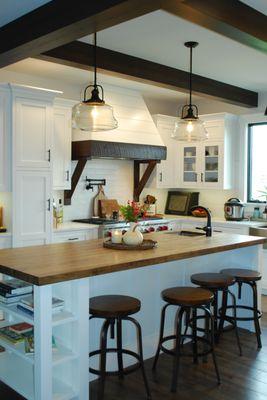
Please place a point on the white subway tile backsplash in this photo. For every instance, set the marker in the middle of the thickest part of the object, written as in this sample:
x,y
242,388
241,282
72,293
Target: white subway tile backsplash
x,y
119,185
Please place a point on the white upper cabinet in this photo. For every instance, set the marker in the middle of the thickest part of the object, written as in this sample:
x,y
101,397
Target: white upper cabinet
x,y
62,145
201,165
5,133
209,164
32,127
166,174
32,202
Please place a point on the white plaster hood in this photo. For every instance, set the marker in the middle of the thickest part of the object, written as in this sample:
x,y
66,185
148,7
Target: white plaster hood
x,y
135,122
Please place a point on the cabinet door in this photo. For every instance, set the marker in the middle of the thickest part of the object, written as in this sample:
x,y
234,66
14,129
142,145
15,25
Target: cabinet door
x,y
166,172
5,150
32,205
62,149
212,165
32,133
189,165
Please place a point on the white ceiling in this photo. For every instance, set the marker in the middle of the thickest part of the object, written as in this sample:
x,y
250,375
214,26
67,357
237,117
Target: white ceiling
x,y
260,5
13,9
160,37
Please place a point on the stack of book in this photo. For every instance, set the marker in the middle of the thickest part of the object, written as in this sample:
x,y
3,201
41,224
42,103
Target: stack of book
x,y
12,290
26,304
15,333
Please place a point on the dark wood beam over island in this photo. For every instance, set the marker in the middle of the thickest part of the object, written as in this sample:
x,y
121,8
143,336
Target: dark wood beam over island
x,y
80,55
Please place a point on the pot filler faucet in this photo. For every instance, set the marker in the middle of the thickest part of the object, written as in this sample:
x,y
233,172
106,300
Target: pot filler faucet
x,y
207,228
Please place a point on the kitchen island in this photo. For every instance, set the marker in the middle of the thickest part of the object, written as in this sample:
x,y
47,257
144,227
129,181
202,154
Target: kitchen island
x,y
77,271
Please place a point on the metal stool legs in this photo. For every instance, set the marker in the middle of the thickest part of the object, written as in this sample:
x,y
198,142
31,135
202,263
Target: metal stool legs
x,y
103,359
255,314
178,338
104,350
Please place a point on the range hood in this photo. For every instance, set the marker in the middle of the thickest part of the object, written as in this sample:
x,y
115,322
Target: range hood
x,y
136,138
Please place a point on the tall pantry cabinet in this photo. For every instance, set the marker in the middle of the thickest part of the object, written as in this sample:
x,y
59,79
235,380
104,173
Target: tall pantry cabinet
x,y
32,157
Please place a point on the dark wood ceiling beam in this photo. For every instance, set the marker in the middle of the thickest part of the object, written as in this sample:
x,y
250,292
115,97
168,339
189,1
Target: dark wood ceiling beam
x,y
80,55
231,18
60,21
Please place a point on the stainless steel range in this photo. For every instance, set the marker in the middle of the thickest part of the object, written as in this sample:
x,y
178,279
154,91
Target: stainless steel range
x,y
146,225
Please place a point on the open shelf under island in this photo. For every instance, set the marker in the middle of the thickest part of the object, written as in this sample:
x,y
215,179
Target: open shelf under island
x,y
77,271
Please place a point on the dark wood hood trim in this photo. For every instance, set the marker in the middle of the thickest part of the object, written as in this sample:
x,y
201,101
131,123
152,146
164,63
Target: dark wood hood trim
x,y
88,149
140,153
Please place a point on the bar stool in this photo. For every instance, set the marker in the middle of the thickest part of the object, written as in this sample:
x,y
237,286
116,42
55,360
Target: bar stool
x,y
115,309
218,282
248,277
188,299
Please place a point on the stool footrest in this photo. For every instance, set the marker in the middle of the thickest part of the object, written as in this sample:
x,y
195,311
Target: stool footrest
x,y
126,370
182,354
230,318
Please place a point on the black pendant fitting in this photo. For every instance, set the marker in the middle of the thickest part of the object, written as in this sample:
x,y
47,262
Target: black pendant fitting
x,y
191,45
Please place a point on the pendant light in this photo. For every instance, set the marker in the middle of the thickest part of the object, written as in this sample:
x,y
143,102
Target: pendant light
x,y
93,114
189,127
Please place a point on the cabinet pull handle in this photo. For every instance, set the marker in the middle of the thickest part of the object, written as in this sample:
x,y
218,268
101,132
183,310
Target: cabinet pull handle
x,y
201,176
160,177
49,155
49,205
73,239
68,175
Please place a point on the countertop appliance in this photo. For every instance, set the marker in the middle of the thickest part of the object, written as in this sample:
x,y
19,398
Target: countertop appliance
x,y
180,203
234,210
146,225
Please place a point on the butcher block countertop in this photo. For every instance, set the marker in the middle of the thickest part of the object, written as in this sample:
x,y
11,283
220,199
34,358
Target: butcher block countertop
x,y
54,263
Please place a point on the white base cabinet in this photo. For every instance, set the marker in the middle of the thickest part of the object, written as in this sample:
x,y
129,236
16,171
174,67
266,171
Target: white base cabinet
x,y
32,217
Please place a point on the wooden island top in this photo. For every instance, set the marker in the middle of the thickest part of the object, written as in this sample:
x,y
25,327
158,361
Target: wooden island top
x,y
41,265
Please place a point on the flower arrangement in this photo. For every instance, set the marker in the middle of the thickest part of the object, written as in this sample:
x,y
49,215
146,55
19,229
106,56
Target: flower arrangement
x,y
133,211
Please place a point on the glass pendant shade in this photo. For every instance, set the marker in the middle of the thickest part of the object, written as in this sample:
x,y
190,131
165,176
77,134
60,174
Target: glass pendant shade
x,y
89,116
93,114
189,128
189,131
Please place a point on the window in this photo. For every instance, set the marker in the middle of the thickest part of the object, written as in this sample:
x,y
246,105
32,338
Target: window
x,y
257,162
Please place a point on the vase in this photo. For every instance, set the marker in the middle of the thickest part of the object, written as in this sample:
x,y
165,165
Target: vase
x,y
133,237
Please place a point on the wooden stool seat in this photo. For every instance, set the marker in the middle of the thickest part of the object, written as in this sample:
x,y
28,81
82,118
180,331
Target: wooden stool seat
x,y
245,275
113,306
187,296
213,280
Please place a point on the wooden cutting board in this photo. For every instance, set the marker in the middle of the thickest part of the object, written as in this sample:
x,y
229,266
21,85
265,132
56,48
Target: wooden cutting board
x,y
100,196
107,206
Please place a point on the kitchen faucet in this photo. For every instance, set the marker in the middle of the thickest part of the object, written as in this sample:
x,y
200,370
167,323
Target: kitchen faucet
x,y
207,228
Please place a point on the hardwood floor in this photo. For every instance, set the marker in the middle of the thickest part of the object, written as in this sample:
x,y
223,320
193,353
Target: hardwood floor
x,y
243,378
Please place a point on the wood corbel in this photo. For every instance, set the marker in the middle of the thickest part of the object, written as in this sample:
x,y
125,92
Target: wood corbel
x,y
139,183
74,181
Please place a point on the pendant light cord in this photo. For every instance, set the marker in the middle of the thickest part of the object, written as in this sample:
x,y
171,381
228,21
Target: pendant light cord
x,y
95,59
190,76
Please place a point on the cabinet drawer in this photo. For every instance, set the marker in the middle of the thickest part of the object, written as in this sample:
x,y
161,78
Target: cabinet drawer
x,y
73,236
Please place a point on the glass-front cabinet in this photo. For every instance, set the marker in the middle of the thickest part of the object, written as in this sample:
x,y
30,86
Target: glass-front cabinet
x,y
211,170
201,165
190,158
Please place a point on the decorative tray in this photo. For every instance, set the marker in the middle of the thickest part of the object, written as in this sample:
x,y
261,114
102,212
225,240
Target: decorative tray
x,y
146,245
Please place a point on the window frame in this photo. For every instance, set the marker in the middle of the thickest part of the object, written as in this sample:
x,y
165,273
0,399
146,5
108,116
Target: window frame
x,y
249,162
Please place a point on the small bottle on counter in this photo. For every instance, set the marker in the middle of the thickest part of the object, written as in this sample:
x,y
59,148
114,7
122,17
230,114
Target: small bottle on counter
x,y
60,212
256,213
264,214
54,214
